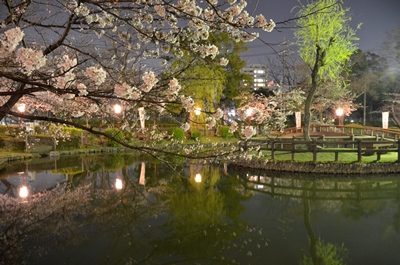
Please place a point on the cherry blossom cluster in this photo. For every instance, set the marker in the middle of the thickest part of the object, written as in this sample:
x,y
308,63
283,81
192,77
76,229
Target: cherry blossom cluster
x,y
9,41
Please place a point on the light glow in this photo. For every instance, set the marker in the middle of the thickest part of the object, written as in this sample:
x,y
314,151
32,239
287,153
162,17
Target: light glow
x,y
197,178
117,109
21,108
23,192
118,184
339,112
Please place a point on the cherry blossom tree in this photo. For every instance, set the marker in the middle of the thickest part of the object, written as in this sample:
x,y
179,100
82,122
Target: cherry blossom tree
x,y
69,59
269,113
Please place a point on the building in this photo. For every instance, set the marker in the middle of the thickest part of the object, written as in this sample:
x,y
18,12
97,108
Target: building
x,y
259,73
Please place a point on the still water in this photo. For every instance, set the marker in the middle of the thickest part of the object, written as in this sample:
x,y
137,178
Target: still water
x,y
127,209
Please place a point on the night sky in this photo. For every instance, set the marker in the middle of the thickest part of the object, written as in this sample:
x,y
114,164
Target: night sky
x,y
377,18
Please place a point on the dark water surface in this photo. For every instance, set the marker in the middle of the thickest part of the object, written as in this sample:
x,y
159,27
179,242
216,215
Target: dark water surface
x,y
127,209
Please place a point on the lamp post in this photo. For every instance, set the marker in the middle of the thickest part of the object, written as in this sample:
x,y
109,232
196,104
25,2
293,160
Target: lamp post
x,y
339,113
197,178
118,110
21,109
249,111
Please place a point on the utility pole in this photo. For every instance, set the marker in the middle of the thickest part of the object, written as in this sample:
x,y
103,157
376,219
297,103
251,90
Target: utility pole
x,y
365,106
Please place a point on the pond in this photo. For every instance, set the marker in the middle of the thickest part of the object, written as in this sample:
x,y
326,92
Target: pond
x,y
129,209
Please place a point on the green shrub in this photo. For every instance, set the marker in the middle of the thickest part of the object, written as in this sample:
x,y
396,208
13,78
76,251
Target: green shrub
x,y
223,131
195,134
177,133
40,139
12,144
128,136
117,134
74,132
71,143
10,129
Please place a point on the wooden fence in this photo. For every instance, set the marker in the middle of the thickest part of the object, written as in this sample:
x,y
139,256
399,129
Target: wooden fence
x,y
393,134
316,146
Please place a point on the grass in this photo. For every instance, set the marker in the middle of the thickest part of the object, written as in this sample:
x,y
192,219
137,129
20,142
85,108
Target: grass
x,y
390,157
282,156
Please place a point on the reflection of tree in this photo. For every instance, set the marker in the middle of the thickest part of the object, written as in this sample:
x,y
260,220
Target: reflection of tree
x,y
45,215
62,215
204,221
321,253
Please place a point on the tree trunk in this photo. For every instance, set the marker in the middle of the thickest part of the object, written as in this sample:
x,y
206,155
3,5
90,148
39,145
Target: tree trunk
x,y
310,97
6,108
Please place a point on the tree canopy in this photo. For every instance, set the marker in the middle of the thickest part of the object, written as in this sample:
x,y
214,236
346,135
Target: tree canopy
x,y
71,59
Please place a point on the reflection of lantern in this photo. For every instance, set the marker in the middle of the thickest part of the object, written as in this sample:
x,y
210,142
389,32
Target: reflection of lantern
x,y
118,184
197,178
142,174
23,192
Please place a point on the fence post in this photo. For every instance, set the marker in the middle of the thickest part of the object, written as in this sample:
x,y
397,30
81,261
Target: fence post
x,y
273,149
293,147
359,145
398,150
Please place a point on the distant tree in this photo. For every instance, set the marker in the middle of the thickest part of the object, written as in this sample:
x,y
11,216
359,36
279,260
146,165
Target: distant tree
x,y
268,113
209,81
391,77
326,44
365,76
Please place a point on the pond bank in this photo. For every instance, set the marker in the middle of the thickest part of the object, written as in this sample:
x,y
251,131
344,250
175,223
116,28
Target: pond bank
x,y
25,156
299,167
322,168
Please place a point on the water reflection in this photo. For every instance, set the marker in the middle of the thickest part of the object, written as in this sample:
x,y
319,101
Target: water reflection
x,y
126,209
360,199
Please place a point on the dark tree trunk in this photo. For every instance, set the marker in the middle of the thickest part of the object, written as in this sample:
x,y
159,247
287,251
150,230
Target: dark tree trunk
x,y
6,108
311,94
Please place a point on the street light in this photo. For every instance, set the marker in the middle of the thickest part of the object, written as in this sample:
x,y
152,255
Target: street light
x,y
21,109
197,178
117,110
249,111
339,113
197,111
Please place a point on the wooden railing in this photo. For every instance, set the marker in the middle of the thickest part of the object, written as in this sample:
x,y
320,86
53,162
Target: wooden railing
x,y
332,189
349,130
316,146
